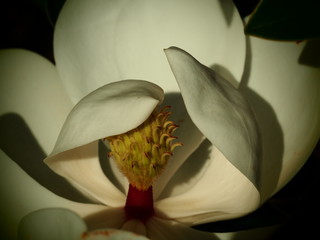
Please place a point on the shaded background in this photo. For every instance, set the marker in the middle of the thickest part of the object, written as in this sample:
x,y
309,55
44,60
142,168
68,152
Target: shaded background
x,y
29,24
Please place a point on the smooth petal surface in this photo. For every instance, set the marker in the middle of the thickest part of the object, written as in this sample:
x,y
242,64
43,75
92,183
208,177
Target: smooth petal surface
x,y
51,224
31,89
111,234
81,167
282,84
99,41
220,192
110,110
219,110
159,229
21,195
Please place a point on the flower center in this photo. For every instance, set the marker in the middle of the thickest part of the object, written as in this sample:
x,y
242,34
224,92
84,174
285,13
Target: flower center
x,y
141,155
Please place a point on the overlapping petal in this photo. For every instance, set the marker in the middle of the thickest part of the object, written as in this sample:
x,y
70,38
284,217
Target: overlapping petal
x,y
101,41
220,192
160,229
282,84
110,110
51,224
219,110
125,39
31,90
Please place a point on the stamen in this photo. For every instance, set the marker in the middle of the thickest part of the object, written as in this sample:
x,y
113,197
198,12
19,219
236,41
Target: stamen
x,y
142,153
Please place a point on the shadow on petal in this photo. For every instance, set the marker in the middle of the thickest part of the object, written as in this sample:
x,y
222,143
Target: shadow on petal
x,y
109,218
228,9
189,173
18,142
271,134
110,169
270,130
310,55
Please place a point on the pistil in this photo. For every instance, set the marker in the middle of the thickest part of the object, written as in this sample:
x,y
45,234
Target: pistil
x,y
141,155
139,204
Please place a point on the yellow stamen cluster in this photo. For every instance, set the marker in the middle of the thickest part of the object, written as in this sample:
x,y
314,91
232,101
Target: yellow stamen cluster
x,y
142,153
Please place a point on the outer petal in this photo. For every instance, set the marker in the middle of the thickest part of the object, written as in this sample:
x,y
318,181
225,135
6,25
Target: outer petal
x,y
100,41
220,192
30,88
113,109
219,110
282,84
159,229
20,195
51,224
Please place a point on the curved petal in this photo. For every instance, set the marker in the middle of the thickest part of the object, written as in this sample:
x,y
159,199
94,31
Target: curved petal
x,y
81,167
111,234
51,224
21,195
187,133
110,110
221,192
101,41
219,110
31,88
284,90
159,229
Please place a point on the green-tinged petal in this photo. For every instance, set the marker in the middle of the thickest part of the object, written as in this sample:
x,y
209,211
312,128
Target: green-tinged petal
x,y
218,191
20,195
30,89
111,234
100,41
283,87
110,110
159,229
219,110
51,224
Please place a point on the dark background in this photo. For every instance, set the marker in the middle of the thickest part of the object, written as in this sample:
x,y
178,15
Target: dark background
x,y
29,24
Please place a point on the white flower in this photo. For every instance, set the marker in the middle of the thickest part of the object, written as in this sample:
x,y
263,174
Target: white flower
x,y
101,42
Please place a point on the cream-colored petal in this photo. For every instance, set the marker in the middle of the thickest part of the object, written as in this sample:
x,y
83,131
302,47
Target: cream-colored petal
x,y
20,195
219,110
110,110
160,229
220,192
100,41
282,84
30,89
111,234
81,167
51,224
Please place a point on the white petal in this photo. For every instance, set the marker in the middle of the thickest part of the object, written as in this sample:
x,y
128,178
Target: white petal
x,y
285,94
101,41
30,89
219,110
159,229
187,133
221,192
111,234
81,166
135,226
20,195
110,110
51,224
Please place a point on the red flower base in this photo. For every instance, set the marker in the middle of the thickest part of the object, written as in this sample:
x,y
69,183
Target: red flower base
x,y
139,204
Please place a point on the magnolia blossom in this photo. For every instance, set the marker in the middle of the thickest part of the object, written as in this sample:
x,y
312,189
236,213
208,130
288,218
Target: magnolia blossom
x,y
219,173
